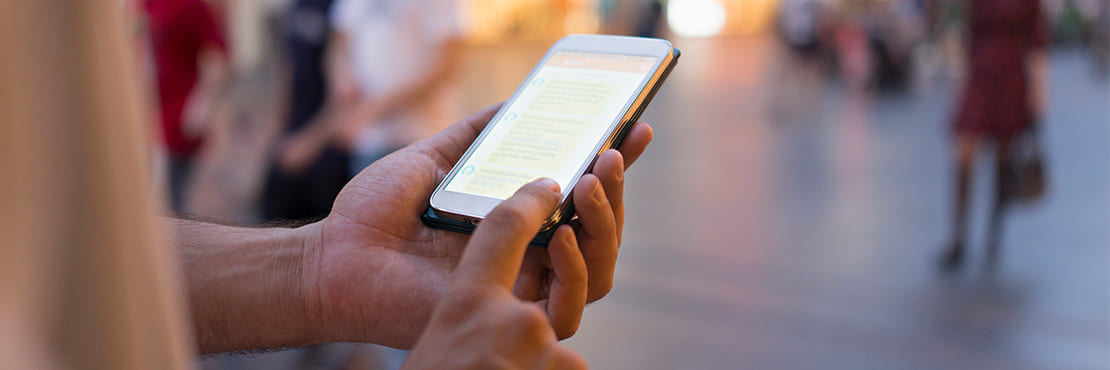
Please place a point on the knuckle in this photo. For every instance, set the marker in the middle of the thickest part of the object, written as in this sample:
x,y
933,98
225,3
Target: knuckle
x,y
547,197
567,330
464,303
569,359
576,276
469,295
590,193
618,168
530,318
600,290
599,195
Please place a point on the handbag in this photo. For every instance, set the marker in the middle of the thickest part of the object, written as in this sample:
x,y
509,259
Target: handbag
x,y
1027,181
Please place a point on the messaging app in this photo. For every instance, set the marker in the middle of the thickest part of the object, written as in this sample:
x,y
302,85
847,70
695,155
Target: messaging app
x,y
552,126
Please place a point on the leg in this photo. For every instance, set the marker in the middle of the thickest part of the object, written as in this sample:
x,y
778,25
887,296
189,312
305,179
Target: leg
x,y
1003,181
327,178
283,197
181,168
964,158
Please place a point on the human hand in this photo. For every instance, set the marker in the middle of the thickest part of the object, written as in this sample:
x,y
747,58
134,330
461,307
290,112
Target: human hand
x,y
351,123
297,153
196,116
479,324
374,272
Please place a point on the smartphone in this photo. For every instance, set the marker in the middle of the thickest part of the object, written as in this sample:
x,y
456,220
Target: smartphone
x,y
578,101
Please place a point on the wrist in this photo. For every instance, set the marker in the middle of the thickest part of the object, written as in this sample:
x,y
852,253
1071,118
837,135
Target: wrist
x,y
311,241
247,287
288,315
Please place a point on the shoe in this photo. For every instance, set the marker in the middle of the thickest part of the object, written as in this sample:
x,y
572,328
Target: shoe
x,y
951,258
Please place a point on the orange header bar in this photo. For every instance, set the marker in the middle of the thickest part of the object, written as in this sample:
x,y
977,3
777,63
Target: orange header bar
x,y
604,62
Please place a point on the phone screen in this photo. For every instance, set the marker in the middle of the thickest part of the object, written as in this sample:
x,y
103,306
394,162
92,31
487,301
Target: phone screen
x,y
553,125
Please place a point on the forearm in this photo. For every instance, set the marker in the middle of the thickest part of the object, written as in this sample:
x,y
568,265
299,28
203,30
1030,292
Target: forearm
x,y
246,286
214,79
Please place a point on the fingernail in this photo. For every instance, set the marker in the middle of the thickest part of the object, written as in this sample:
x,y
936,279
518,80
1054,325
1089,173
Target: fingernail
x,y
547,183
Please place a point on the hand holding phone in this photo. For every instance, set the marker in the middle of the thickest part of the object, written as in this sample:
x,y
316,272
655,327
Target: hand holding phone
x,y
479,323
379,271
579,101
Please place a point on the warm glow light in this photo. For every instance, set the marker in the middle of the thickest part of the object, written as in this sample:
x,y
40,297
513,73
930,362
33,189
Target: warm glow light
x,y
695,18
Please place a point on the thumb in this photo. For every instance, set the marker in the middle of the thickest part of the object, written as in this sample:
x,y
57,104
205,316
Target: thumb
x,y
497,247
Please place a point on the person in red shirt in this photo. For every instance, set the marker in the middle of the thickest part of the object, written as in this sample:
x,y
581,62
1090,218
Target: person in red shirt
x,y
1004,97
189,52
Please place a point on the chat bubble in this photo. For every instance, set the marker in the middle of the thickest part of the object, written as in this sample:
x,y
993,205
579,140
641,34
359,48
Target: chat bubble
x,y
496,183
581,97
541,142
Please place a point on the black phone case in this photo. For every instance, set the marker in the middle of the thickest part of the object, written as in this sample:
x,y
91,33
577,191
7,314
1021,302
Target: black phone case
x,y
431,219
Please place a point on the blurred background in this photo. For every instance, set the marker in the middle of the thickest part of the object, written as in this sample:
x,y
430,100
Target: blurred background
x,y
800,203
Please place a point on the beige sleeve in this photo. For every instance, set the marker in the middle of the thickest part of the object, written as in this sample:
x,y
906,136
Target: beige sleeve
x,y
86,277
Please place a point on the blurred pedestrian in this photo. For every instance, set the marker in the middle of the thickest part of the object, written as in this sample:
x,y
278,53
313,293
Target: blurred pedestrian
x,y
805,31
189,53
853,57
310,169
650,22
894,30
1100,38
392,64
1003,99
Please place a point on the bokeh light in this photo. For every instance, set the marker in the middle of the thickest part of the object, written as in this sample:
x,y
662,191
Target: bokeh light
x,y
695,18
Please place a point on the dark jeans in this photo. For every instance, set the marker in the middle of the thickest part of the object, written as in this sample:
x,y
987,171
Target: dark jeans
x,y
181,171
307,195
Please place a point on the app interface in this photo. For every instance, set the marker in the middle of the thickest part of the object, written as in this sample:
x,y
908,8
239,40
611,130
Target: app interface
x,y
551,128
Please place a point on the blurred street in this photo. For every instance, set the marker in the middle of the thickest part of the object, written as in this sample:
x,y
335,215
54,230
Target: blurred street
x,y
751,243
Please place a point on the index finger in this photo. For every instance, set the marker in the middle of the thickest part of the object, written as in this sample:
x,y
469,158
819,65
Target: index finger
x,y
496,250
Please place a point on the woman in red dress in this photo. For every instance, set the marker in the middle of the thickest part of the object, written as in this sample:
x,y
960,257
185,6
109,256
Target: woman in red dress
x,y
1003,98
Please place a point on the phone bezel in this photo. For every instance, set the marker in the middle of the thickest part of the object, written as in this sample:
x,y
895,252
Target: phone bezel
x,y
472,208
